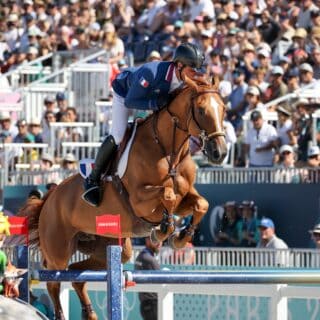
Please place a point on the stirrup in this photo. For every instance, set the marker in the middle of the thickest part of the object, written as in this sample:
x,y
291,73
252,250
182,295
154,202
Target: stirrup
x,y
92,196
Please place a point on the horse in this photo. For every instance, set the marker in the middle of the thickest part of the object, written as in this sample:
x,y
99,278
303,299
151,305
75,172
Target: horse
x,y
157,184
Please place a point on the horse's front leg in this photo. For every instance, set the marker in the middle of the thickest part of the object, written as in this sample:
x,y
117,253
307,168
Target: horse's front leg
x,y
167,224
193,204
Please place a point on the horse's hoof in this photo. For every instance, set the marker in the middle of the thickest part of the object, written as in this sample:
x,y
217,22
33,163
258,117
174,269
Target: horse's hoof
x,y
88,313
153,236
175,242
171,241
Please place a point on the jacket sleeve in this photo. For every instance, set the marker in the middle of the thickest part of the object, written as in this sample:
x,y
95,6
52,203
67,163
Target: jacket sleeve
x,y
141,93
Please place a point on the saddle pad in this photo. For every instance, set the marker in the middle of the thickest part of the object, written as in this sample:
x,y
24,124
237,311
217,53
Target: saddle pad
x,y
86,165
122,165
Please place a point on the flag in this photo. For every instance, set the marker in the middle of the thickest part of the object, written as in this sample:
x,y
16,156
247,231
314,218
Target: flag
x,y
18,225
109,223
144,82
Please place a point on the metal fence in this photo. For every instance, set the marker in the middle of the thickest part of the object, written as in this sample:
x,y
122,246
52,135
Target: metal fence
x,y
213,257
81,150
11,175
257,175
65,131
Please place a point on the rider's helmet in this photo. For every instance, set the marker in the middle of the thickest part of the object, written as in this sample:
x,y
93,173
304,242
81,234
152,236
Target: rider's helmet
x,y
189,55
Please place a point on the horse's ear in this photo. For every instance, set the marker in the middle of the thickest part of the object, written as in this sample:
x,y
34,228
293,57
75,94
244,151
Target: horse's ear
x,y
215,81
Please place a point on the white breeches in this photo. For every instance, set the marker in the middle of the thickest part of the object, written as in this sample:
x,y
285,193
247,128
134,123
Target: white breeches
x,y
120,115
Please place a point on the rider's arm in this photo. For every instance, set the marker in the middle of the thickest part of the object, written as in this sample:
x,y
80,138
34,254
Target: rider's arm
x,y
142,93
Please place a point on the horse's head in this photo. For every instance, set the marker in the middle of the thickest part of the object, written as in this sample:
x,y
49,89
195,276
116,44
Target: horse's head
x,y
206,122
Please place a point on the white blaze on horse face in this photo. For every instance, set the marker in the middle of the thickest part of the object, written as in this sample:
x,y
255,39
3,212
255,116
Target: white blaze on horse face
x,y
215,107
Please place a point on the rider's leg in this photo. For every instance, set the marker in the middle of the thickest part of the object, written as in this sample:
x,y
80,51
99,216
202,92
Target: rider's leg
x,y
120,114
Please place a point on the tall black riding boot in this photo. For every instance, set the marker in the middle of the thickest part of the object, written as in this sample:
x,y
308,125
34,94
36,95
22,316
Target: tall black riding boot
x,y
93,193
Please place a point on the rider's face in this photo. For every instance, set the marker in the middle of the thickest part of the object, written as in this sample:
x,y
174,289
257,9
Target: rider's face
x,y
189,72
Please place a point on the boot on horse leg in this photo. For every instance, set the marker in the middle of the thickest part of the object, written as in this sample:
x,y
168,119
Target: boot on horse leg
x,y
167,224
92,185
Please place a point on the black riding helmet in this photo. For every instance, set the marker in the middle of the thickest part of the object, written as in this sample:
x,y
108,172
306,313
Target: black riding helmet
x,y
189,55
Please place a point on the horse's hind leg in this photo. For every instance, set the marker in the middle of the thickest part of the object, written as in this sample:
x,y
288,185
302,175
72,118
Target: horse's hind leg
x,y
56,247
198,206
97,261
81,287
54,292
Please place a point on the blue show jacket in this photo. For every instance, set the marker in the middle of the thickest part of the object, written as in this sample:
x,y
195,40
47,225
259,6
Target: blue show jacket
x,y
145,86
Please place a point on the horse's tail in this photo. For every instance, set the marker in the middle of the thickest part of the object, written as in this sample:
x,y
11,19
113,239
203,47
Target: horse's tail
x,y
32,210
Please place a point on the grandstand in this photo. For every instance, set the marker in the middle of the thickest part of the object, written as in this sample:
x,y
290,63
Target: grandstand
x,y
266,54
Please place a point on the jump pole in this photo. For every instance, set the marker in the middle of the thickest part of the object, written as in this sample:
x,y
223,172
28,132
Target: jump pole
x,y
114,278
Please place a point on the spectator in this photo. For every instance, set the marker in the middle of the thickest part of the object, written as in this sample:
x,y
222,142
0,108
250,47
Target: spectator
x,y
268,237
70,133
277,87
69,162
62,105
146,260
249,232
303,128
269,240
313,162
286,172
154,56
304,18
6,125
23,136
253,99
114,46
228,234
285,127
237,97
306,75
260,142
35,130
269,28
315,235
49,117
293,80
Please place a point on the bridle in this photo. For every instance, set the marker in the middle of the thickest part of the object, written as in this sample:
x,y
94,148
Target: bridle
x,y
203,136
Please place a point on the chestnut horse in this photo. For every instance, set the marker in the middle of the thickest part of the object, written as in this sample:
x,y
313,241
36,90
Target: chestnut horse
x,y
158,182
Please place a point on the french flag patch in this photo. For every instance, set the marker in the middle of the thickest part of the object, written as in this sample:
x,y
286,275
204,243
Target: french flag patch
x,y
144,82
85,167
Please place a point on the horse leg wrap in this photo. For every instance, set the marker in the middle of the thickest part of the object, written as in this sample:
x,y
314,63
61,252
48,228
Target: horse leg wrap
x,y
87,312
167,221
188,231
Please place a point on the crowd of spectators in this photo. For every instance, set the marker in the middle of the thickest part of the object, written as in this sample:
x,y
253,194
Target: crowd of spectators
x,y
261,50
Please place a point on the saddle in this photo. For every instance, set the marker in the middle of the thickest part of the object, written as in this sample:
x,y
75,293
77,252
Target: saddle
x,y
119,163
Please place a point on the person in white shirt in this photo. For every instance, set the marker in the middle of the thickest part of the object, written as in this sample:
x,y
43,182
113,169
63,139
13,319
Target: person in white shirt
x,y
285,127
260,142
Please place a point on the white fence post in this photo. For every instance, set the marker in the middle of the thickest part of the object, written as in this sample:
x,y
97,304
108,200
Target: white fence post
x,y
165,305
278,304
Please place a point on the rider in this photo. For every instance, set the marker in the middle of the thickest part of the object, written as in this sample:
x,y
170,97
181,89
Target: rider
x,y
146,88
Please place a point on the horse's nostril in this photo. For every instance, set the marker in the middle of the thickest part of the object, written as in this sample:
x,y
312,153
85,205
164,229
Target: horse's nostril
x,y
216,154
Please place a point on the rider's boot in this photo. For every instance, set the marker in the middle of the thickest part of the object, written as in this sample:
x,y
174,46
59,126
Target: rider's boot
x,y
92,185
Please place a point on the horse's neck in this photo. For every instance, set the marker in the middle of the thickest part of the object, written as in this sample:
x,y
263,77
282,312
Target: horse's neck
x,y
174,137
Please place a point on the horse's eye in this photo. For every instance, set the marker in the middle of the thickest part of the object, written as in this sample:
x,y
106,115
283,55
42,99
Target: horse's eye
x,y
201,111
